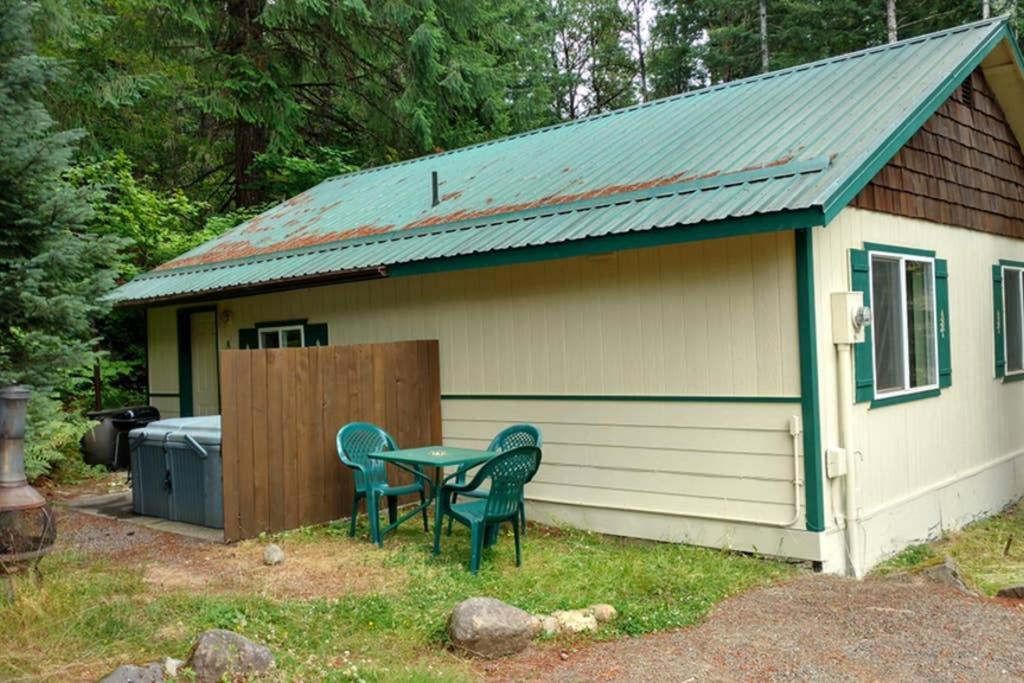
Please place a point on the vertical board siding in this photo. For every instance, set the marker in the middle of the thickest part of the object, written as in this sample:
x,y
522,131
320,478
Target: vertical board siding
x,y
974,423
733,460
281,411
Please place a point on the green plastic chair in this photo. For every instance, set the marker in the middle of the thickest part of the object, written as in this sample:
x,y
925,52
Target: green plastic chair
x,y
507,472
356,441
507,439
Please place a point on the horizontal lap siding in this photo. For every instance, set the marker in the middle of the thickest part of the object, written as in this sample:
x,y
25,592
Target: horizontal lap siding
x,y
647,456
911,446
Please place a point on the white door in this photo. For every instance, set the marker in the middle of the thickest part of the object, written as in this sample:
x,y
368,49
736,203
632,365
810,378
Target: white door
x,y
205,382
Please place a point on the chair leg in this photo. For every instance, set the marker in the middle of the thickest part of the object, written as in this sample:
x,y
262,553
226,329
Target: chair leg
x,y
522,517
423,501
454,497
392,509
373,511
515,532
476,532
437,529
355,513
491,536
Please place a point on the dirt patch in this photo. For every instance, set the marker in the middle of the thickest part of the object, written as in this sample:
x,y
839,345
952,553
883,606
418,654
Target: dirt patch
x,y
812,628
174,563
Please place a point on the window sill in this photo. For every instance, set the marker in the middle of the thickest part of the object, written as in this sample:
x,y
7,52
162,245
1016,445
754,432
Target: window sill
x,y
905,398
1015,377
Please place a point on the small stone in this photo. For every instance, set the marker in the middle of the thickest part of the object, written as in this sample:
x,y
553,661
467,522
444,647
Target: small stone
x,y
603,612
575,621
1012,592
948,573
563,655
132,673
273,555
172,665
536,624
549,625
489,628
220,654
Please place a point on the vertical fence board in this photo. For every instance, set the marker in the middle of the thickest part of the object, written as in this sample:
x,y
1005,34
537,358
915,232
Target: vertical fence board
x,y
282,409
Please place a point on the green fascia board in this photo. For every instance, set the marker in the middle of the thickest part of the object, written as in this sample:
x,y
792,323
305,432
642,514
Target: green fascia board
x,y
851,186
905,398
653,398
732,227
891,249
810,397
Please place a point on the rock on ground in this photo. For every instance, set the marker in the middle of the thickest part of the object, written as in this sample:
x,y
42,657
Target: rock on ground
x,y
1013,592
273,555
133,673
603,612
220,654
486,627
575,621
948,573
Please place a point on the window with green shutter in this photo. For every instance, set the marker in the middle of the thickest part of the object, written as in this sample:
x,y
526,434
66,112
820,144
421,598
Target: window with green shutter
x,y
906,351
1008,319
283,334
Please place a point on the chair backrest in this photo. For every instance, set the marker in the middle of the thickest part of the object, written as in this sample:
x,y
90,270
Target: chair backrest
x,y
515,436
356,441
508,473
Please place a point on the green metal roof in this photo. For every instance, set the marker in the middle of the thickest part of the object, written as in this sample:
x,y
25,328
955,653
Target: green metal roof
x,y
783,150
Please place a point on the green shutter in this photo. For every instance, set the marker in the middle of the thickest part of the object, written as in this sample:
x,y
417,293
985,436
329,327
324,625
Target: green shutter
x,y
316,334
942,304
863,361
997,319
248,338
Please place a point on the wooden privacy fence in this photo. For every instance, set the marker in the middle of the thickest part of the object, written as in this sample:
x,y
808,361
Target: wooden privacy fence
x,y
281,410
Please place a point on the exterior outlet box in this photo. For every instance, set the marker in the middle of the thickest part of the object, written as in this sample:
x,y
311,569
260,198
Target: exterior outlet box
x,y
848,316
835,463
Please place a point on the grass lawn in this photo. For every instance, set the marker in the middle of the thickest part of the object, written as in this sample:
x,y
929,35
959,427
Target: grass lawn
x,y
357,612
980,549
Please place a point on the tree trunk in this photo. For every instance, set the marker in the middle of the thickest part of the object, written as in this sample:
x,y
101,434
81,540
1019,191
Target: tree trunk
x,y
244,36
638,8
763,12
890,20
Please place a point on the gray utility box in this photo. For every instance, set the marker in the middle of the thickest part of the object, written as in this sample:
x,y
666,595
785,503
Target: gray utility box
x,y
176,470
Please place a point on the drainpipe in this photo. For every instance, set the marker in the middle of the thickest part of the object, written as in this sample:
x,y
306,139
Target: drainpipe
x,y
849,316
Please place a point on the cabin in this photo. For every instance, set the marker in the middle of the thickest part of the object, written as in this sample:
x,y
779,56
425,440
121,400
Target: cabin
x,y
782,315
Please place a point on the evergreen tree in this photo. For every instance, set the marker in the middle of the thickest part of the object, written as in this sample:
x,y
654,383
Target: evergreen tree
x,y
52,272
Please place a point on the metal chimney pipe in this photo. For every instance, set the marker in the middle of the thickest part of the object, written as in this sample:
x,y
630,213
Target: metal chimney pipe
x,y
15,493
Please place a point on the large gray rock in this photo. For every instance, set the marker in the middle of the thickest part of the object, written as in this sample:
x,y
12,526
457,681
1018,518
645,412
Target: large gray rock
x,y
948,573
485,627
220,654
132,673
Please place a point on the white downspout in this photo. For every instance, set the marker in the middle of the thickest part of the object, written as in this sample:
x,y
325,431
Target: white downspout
x,y
849,316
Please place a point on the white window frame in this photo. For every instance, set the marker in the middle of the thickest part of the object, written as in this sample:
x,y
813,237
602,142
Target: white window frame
x,y
1006,337
283,328
903,258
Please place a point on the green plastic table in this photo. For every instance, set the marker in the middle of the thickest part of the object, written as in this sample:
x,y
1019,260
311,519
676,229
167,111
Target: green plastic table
x,y
436,457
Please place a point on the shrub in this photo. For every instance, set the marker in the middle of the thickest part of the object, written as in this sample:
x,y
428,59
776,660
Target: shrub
x,y
52,438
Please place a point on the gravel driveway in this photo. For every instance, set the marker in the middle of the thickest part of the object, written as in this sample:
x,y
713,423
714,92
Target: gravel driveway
x,y
817,628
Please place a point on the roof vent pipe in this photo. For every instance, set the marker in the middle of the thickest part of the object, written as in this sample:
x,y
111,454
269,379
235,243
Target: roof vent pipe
x,y
433,182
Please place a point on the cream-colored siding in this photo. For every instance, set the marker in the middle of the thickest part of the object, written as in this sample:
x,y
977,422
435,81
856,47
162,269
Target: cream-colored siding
x,y
935,463
710,319
713,318
162,338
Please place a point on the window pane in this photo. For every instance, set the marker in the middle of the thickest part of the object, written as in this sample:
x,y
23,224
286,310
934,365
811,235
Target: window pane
x,y
292,338
887,323
1012,320
269,340
921,324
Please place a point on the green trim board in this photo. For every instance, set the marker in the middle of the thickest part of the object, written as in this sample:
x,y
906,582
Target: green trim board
x,y
892,249
1011,264
809,388
851,185
997,321
905,398
620,397
1015,377
162,394
184,318
295,322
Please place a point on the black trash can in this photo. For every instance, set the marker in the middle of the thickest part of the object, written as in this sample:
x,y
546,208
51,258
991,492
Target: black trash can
x,y
107,444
